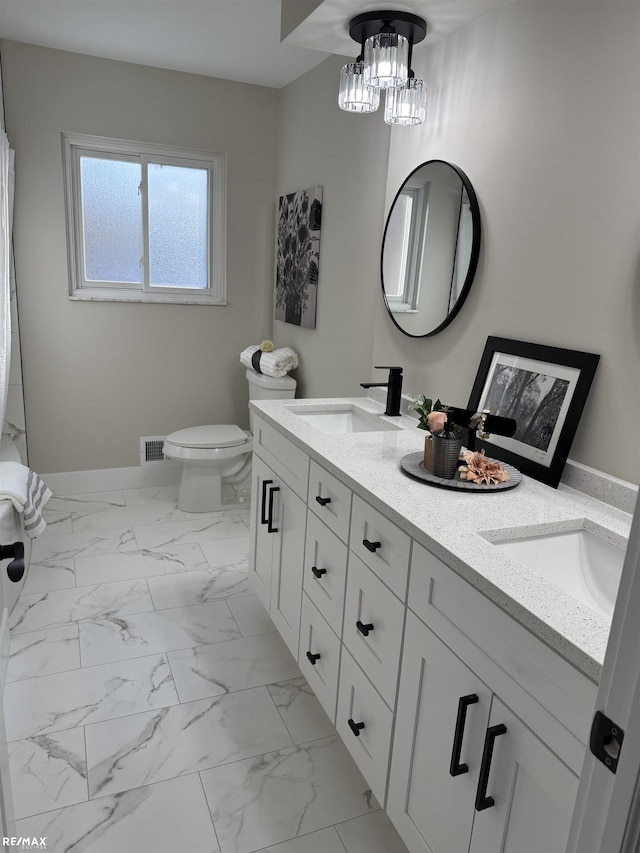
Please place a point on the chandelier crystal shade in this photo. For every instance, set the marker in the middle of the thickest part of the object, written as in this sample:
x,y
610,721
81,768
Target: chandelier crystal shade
x,y
407,104
386,60
386,40
355,95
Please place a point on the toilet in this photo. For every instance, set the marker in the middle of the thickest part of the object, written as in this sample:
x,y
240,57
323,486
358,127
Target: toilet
x,y
213,455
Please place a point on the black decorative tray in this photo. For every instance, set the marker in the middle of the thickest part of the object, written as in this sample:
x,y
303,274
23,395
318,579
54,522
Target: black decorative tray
x,y
413,465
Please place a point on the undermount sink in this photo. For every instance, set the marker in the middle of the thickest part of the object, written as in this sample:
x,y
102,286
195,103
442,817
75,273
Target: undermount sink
x,y
345,421
580,563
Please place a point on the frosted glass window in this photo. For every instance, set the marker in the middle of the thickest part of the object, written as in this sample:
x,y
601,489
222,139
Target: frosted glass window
x,y
145,223
111,219
178,225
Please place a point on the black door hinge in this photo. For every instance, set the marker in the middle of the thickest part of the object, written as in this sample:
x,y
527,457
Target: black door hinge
x,y
606,741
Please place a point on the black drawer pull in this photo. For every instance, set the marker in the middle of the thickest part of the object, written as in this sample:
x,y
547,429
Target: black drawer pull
x,y
318,572
322,501
364,629
312,658
482,800
355,727
270,527
263,505
456,768
371,546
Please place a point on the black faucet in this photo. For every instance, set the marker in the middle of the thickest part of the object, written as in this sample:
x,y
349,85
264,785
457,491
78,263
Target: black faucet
x,y
393,386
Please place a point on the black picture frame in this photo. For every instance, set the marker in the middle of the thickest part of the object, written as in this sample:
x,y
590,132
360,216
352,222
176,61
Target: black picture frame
x,y
548,387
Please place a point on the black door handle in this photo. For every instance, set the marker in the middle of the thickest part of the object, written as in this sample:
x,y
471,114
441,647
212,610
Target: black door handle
x,y
355,727
482,800
318,572
364,629
263,506
15,569
456,768
312,658
371,546
322,501
270,527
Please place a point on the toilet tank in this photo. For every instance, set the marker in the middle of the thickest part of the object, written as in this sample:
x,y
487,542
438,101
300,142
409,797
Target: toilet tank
x,y
262,387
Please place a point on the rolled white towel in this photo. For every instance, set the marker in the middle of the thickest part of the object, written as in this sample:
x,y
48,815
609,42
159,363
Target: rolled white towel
x,y
276,363
27,492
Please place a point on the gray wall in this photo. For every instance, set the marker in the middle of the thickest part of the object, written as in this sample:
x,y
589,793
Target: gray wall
x,y
538,104
319,145
100,375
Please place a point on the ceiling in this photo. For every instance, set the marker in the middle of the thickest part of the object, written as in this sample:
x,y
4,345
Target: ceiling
x,y
232,39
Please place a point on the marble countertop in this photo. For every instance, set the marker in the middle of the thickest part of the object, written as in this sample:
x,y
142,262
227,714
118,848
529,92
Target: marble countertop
x,y
449,523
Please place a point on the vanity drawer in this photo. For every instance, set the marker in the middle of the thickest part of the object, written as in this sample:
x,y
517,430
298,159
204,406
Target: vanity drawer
x,y
373,625
319,656
364,723
325,571
330,500
381,545
288,461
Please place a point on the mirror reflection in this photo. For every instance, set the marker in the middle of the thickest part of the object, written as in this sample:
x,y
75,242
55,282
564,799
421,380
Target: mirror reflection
x,y
430,248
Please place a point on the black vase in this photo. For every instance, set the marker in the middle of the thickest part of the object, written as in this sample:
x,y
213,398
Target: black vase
x,y
292,310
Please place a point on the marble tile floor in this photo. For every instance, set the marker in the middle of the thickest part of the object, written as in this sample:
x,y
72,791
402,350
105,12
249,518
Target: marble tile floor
x,y
152,708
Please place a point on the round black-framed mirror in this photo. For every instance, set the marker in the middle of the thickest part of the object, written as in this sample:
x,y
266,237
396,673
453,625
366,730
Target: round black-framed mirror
x,y
430,248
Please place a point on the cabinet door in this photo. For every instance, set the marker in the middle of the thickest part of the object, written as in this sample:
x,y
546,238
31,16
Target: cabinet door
x,y
319,657
261,541
325,571
443,710
364,723
533,793
373,623
287,514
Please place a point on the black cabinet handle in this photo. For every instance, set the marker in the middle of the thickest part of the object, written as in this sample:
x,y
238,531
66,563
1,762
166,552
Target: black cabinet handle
x,y
482,800
371,546
312,658
263,505
456,768
318,572
322,501
355,727
270,527
15,569
364,629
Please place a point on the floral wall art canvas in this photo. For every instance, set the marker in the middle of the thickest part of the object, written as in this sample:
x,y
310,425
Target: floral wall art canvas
x,y
299,221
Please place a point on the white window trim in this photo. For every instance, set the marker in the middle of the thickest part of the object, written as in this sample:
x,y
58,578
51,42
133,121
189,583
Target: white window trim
x,y
407,303
216,294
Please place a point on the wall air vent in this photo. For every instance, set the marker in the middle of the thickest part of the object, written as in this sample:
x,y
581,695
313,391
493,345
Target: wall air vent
x,y
151,449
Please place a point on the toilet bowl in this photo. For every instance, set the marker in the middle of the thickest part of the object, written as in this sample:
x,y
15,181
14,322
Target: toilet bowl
x,y
215,455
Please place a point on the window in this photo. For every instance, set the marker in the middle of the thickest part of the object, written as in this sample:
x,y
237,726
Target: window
x,y
404,247
144,223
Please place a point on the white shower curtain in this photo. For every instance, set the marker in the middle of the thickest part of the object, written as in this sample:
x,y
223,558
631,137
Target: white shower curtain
x,y
6,218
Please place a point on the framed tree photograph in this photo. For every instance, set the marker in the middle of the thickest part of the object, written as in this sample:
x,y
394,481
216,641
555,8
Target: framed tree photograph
x,y
544,389
298,257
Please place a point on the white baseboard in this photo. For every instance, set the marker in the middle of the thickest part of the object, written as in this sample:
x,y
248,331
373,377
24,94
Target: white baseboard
x,y
111,479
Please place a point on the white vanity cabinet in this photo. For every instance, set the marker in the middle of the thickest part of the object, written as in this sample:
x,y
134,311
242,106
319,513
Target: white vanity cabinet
x,y
479,763
325,577
467,773
372,634
278,531
469,729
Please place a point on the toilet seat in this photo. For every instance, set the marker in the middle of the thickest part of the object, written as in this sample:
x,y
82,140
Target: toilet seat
x,y
218,435
210,442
